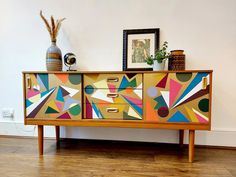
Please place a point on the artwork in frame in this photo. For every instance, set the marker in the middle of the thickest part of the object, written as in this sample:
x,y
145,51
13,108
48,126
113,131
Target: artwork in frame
x,y
138,44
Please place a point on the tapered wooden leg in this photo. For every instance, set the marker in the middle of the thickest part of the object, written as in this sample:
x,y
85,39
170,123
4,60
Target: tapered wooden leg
x,y
40,139
191,145
57,133
181,138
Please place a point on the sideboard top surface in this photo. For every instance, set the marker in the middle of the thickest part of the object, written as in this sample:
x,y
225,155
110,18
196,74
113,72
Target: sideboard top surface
x,y
116,72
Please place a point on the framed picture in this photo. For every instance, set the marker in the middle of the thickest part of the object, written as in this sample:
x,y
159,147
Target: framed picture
x,y
138,44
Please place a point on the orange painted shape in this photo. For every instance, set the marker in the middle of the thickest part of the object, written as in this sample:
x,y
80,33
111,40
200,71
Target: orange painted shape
x,y
62,77
151,114
129,90
53,115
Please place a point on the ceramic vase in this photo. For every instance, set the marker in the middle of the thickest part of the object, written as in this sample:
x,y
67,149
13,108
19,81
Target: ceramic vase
x,y
158,66
54,58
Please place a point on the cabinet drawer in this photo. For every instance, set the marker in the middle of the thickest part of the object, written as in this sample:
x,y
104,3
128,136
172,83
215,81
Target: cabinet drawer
x,y
113,111
53,96
111,81
177,97
127,96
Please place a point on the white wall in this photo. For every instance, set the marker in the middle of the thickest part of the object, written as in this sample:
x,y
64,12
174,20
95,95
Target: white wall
x,y
206,30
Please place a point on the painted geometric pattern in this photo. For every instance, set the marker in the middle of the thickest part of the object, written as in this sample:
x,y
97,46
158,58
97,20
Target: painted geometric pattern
x,y
177,97
53,96
124,95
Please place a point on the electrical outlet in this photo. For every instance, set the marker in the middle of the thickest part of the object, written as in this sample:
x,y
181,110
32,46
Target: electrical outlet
x,y
8,113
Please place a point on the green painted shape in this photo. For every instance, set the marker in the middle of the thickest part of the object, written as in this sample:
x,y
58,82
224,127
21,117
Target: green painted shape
x,y
203,105
75,79
51,110
133,83
128,117
184,77
75,110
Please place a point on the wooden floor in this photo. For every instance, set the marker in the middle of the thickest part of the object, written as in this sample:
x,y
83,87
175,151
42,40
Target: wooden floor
x,y
19,157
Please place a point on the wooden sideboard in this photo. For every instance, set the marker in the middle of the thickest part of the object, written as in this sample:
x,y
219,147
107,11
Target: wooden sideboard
x,y
178,100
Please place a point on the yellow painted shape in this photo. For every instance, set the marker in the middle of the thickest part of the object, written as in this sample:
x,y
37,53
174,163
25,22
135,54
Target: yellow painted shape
x,y
33,79
35,98
191,114
93,76
120,107
101,84
53,105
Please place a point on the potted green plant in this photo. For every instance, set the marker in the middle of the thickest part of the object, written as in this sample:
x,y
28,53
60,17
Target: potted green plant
x,y
158,60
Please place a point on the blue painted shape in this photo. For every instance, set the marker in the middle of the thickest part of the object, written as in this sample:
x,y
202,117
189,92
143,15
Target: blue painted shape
x,y
160,102
123,84
195,81
28,103
138,109
89,89
44,79
59,95
97,111
178,117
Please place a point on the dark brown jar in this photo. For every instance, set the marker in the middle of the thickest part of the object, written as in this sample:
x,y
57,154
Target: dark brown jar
x,y
176,60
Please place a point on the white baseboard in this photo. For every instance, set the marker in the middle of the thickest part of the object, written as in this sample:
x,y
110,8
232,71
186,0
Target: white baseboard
x,y
216,137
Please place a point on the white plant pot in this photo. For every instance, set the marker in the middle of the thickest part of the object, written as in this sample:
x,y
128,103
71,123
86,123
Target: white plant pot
x,y
158,66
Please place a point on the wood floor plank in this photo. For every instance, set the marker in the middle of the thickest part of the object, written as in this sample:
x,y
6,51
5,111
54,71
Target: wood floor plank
x,y
92,158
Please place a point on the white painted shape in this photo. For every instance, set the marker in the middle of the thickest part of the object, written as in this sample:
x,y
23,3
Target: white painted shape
x,y
132,112
166,96
70,90
204,117
139,93
94,114
102,95
34,105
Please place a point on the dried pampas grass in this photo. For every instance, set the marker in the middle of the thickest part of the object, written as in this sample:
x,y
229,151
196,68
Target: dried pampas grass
x,y
54,28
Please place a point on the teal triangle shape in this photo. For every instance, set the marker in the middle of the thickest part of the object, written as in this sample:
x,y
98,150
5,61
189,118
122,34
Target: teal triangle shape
x,y
51,111
44,79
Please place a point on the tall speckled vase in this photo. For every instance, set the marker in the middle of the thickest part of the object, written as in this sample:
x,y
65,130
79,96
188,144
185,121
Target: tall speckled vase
x,y
54,58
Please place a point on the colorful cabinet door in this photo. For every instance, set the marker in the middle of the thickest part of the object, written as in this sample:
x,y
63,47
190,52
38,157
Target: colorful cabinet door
x,y
177,97
53,96
113,96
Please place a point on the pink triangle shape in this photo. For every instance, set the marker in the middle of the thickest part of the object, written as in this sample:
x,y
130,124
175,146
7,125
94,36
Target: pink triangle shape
x,y
134,100
162,83
32,92
112,88
59,105
174,90
200,118
64,116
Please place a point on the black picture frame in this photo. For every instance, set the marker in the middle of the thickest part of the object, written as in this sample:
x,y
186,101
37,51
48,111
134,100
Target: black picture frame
x,y
126,33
